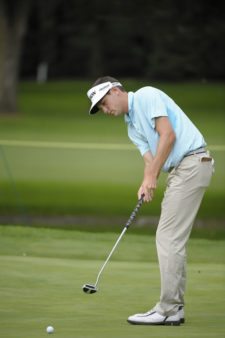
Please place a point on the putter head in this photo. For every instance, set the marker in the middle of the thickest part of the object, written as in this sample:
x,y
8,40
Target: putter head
x,y
88,288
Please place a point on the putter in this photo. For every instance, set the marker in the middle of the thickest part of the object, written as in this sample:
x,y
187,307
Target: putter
x,y
89,288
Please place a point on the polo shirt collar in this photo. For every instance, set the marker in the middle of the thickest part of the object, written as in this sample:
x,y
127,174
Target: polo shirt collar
x,y
129,115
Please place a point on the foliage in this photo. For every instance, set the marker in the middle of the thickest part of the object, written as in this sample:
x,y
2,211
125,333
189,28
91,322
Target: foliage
x,y
154,39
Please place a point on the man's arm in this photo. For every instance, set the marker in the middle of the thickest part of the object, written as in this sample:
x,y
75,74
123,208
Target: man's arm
x,y
153,165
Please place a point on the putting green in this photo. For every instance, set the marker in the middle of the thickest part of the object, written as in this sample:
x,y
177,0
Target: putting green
x,y
43,270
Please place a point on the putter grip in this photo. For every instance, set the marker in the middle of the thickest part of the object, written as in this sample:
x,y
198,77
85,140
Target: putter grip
x,y
135,211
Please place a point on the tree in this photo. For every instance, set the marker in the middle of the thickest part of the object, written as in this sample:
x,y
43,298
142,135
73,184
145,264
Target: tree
x,y
13,19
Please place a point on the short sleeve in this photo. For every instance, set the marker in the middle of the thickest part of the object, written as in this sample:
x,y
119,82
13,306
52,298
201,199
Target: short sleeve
x,y
152,104
138,140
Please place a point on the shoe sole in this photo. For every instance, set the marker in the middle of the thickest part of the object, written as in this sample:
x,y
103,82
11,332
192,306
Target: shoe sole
x,y
160,323
172,323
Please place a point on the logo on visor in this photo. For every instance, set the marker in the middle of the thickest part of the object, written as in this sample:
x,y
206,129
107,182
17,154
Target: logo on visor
x,y
104,87
92,94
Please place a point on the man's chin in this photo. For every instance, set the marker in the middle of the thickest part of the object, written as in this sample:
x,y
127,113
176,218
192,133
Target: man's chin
x,y
117,113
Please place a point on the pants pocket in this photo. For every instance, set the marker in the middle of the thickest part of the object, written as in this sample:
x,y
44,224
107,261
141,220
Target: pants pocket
x,y
206,170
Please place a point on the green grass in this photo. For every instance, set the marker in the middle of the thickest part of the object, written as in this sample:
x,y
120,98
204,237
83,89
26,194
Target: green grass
x,y
43,270
75,181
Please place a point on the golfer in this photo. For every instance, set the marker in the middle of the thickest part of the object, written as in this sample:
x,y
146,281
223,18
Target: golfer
x,y
168,141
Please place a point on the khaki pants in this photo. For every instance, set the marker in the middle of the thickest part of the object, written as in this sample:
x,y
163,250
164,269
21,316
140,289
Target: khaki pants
x,y
185,189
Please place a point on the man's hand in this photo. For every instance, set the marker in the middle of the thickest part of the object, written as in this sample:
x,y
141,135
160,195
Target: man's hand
x,y
147,188
150,180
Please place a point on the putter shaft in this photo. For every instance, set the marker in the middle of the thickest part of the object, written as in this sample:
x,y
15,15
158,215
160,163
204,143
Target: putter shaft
x,y
130,220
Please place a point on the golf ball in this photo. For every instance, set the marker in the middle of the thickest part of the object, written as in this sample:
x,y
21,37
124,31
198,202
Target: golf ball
x,y
50,329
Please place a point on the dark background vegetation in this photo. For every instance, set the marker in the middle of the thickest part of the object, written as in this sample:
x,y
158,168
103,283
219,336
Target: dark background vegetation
x,y
173,40
153,40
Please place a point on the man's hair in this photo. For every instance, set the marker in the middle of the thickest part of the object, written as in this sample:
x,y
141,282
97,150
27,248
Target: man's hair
x,y
107,79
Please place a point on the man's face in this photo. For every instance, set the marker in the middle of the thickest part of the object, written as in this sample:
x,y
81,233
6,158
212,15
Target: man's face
x,y
112,103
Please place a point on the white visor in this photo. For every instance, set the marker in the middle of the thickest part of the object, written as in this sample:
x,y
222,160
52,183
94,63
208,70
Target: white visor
x,y
96,93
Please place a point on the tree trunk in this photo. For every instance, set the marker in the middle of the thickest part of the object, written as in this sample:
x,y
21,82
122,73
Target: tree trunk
x,y
12,28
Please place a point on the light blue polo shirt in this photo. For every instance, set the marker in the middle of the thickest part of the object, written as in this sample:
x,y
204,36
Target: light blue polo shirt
x,y
144,106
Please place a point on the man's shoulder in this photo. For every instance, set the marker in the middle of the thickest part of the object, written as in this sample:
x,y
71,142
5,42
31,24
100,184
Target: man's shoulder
x,y
146,91
146,94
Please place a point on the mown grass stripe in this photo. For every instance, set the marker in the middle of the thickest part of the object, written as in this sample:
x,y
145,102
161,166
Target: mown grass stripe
x,y
67,145
77,145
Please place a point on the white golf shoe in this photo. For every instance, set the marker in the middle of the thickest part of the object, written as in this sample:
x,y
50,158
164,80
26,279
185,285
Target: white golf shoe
x,y
153,318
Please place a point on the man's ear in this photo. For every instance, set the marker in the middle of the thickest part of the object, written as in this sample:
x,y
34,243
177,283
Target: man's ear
x,y
115,90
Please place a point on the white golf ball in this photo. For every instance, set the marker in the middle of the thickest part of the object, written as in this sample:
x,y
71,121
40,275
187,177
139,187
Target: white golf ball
x,y
50,329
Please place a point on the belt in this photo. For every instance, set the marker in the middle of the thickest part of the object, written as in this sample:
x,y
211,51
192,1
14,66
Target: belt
x,y
196,151
193,152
